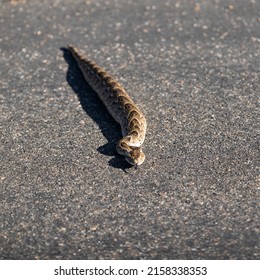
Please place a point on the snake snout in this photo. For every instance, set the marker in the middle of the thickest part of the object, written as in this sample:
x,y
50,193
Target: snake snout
x,y
136,156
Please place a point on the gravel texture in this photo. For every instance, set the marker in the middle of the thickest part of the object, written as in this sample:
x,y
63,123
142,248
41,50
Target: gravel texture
x,y
193,67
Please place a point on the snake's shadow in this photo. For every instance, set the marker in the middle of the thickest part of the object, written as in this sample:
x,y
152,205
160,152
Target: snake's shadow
x,y
93,106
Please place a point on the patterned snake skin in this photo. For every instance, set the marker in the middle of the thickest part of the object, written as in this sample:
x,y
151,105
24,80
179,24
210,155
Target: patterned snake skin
x,y
120,106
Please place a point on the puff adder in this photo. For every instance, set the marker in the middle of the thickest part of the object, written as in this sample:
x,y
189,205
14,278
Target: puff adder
x,y
120,106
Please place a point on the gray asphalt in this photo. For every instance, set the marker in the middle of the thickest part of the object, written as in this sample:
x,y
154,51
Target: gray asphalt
x,y
194,71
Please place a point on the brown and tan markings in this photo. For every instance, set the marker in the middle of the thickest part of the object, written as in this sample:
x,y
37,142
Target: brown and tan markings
x,y
120,106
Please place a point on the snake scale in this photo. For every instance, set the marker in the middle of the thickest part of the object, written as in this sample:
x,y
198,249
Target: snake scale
x,y
120,106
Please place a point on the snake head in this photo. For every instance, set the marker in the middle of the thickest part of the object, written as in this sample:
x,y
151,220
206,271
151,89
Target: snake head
x,y
135,156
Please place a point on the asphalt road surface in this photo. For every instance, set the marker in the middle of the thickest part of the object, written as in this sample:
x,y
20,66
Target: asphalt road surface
x,y
193,69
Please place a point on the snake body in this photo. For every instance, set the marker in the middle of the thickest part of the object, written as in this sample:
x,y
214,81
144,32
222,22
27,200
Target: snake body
x,y
120,106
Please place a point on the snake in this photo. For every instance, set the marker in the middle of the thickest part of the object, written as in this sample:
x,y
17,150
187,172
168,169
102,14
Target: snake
x,y
119,104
